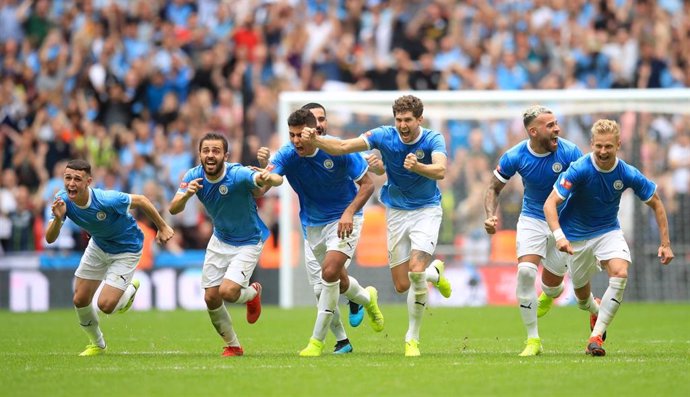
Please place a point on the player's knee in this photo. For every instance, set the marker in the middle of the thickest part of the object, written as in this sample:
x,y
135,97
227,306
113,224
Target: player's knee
x,y
230,293
212,299
619,273
330,274
401,286
81,301
526,276
107,306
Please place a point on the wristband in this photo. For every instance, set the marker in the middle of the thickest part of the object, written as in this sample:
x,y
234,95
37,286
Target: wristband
x,y
558,234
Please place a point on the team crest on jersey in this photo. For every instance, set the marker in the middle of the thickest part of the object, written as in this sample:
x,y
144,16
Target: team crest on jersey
x,y
419,153
557,167
100,215
618,184
328,164
223,190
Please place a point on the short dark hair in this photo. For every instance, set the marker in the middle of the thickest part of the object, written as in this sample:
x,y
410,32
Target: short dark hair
x,y
214,136
79,165
408,103
301,117
314,105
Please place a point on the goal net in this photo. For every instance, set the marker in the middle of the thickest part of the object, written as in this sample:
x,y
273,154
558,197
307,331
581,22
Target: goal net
x,y
479,126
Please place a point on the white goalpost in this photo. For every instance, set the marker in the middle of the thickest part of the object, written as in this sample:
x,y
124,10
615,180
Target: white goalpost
x,y
345,108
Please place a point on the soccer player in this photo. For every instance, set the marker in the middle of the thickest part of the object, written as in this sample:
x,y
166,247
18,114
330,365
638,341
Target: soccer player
x,y
113,251
587,227
226,191
414,157
331,217
539,160
356,313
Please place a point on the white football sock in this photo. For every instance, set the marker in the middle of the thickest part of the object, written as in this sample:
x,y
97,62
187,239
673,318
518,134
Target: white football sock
x,y
552,292
417,297
356,293
589,305
527,297
431,274
336,323
220,318
328,301
610,302
129,291
88,319
246,294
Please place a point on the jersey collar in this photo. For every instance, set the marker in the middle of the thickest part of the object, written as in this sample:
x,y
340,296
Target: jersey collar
x,y
419,137
594,163
220,178
535,154
88,202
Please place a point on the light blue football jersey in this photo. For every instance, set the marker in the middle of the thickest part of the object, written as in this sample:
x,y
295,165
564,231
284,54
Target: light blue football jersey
x,y
538,171
325,184
230,204
107,219
593,196
405,189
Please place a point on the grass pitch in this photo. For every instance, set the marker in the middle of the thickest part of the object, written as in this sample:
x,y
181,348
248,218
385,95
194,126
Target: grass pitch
x,y
465,351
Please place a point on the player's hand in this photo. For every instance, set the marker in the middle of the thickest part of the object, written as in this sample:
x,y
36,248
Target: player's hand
x,y
264,175
308,135
164,234
665,254
375,164
490,224
563,245
345,225
263,155
410,162
59,208
194,186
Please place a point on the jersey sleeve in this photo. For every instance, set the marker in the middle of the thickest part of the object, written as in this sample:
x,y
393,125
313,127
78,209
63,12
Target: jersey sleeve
x,y
640,184
188,177
277,163
566,181
438,145
374,137
246,175
357,166
506,167
118,201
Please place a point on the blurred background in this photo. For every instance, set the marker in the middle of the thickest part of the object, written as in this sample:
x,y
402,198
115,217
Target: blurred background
x,y
132,85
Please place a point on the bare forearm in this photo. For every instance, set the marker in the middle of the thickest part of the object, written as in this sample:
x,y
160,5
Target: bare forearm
x,y
153,214
431,171
662,222
53,230
551,215
361,198
490,202
178,203
330,146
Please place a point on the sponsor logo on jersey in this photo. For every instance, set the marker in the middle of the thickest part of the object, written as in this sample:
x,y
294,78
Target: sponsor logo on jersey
x,y
419,153
100,215
618,184
566,183
328,164
223,190
557,167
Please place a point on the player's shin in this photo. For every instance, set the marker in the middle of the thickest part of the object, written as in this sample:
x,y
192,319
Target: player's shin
x,y
610,302
527,297
88,319
417,297
220,318
326,308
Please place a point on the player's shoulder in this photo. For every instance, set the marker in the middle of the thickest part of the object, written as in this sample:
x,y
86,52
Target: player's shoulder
x,y
519,150
583,164
195,172
386,130
566,144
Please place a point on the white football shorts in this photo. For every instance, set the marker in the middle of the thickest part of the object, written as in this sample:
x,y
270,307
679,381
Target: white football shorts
x,y
535,238
412,230
321,239
116,269
588,253
236,263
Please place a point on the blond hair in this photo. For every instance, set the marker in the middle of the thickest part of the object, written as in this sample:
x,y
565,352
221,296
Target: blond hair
x,y
605,126
532,112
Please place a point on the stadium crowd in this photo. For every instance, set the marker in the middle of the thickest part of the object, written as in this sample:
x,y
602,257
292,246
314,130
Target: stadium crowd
x,y
132,85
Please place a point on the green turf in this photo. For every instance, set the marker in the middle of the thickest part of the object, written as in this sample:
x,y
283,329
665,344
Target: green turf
x,y
465,351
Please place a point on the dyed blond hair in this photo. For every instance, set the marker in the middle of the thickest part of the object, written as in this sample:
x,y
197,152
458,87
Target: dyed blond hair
x,y
532,112
604,126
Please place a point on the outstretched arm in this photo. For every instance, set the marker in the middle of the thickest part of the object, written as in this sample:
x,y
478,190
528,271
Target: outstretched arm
x,y
366,189
665,253
491,203
59,209
435,170
331,146
165,232
180,200
551,215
